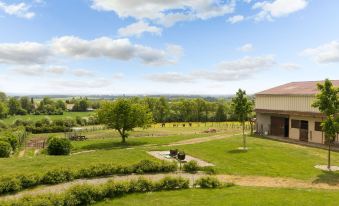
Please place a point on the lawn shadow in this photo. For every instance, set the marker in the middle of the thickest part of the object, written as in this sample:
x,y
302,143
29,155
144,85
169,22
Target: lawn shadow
x,y
328,177
113,145
237,151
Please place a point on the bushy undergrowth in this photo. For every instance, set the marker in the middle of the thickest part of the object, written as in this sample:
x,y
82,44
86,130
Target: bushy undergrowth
x,y
17,183
85,194
208,182
5,149
191,166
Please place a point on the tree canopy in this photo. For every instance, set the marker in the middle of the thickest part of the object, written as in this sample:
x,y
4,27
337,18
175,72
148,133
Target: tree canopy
x,y
124,115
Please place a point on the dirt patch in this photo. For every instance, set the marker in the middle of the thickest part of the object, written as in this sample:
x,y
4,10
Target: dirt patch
x,y
164,155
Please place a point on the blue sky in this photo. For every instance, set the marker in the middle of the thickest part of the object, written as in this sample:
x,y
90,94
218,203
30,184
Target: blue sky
x,y
165,47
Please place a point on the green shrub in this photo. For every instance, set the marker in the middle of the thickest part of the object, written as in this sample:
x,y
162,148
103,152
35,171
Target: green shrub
x,y
97,170
191,166
172,183
113,189
208,182
9,184
57,176
141,185
59,146
3,125
83,195
5,149
11,139
209,170
29,180
168,166
146,166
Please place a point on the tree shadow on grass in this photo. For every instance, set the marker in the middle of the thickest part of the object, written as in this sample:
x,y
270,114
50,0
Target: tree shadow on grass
x,y
328,177
113,145
237,151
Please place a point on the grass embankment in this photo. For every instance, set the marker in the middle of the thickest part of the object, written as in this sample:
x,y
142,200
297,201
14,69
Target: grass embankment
x,y
241,196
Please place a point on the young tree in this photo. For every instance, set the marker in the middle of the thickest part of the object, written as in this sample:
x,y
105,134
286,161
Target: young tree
x,y
242,109
124,115
327,102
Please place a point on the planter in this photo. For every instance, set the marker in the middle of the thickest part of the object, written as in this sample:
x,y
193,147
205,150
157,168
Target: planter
x,y
181,156
173,152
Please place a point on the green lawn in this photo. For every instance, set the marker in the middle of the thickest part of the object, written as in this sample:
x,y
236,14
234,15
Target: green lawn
x,y
42,163
12,119
265,157
242,196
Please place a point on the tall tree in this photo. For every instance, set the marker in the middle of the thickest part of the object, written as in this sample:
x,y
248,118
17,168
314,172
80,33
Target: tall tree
x,y
3,110
220,114
26,104
242,109
124,115
327,102
13,106
161,109
3,97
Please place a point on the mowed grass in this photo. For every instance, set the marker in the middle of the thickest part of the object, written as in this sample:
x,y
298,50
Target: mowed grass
x,y
235,196
32,117
264,158
43,163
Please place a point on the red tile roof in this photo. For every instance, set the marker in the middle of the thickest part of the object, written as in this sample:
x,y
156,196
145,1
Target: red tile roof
x,y
296,88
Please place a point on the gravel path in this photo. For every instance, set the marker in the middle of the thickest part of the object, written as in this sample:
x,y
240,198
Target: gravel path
x,y
202,139
252,181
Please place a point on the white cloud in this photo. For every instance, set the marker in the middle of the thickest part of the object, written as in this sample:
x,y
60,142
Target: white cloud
x,y
38,70
246,48
166,12
278,8
21,10
138,28
224,71
88,84
327,53
121,49
23,53
235,19
290,66
82,73
56,69
170,77
238,69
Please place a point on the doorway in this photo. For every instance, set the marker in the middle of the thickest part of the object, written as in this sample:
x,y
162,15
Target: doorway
x,y
279,126
303,135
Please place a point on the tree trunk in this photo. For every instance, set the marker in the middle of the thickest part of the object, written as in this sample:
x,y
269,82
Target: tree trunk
x,y
329,157
243,134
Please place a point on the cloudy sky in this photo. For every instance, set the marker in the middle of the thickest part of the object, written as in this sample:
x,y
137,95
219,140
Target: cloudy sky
x,y
165,47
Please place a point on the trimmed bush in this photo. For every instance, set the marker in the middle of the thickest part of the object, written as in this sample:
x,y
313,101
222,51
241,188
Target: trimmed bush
x,y
172,183
83,195
191,166
59,146
5,149
208,182
113,189
29,180
141,185
209,170
9,184
57,176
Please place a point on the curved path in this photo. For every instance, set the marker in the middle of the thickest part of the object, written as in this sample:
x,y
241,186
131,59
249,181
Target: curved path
x,y
253,181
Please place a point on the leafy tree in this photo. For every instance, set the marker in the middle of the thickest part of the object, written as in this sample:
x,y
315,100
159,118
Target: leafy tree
x,y
220,114
26,104
81,105
124,115
200,106
14,106
60,105
3,97
327,102
242,109
161,110
3,110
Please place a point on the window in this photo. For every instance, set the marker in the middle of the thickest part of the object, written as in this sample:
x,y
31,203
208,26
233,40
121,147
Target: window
x,y
295,123
317,126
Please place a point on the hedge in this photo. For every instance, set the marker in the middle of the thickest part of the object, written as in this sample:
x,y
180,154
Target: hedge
x,y
16,183
85,194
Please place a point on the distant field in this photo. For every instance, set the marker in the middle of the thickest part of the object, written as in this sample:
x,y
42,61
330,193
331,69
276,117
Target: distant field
x,y
12,119
233,196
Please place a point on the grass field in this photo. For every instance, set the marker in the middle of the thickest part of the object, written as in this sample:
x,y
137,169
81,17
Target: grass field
x,y
235,196
12,119
265,157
